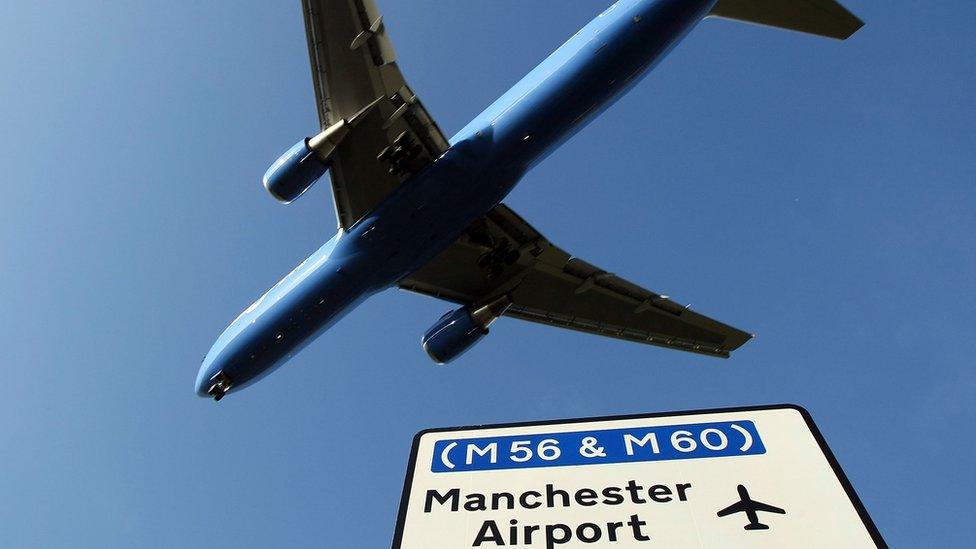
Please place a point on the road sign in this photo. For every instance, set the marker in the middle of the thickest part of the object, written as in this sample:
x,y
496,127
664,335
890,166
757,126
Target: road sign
x,y
745,477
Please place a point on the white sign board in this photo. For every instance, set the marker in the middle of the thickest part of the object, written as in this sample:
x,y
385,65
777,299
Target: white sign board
x,y
749,477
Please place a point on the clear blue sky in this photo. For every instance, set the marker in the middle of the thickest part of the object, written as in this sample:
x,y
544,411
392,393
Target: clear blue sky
x,y
819,194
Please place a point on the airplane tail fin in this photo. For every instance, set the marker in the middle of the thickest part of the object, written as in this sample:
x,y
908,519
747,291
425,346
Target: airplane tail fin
x,y
821,17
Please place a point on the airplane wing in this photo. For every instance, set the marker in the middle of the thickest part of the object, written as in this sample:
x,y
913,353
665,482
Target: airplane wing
x,y
820,17
738,507
501,254
760,506
356,79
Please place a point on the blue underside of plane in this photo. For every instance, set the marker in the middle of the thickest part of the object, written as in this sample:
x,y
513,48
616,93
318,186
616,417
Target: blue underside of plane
x,y
428,212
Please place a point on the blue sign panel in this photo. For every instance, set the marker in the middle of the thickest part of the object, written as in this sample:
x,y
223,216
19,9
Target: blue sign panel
x,y
600,447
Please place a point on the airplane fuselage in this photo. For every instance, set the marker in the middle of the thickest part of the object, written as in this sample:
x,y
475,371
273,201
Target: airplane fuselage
x,y
486,159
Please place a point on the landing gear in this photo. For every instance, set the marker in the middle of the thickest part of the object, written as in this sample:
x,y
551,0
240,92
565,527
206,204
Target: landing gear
x,y
495,261
401,154
221,383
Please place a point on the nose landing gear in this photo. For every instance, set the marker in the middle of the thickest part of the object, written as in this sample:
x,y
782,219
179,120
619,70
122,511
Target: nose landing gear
x,y
221,383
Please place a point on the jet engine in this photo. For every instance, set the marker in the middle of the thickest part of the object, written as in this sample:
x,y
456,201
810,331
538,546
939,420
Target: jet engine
x,y
458,330
302,165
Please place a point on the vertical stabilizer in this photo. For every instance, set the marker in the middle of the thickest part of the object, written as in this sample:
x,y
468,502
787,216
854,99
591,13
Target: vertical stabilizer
x,y
820,17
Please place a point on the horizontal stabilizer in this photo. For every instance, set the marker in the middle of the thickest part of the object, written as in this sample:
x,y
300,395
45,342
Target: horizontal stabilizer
x,y
820,17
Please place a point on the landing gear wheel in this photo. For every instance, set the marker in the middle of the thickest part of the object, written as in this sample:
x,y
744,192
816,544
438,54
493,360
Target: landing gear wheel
x,y
216,392
221,384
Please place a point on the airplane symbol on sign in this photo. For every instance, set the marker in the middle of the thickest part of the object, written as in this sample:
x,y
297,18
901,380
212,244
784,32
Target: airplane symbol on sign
x,y
751,508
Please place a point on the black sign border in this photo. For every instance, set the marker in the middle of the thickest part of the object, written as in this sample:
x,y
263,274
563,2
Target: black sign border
x,y
821,441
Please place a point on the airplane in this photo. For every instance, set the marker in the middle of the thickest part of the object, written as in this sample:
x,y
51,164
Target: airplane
x,y
750,507
424,213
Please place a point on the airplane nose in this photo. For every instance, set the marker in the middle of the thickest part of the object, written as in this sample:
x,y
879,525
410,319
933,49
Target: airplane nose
x,y
202,377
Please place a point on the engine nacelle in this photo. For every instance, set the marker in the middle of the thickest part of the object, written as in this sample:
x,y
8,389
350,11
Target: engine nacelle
x,y
454,333
458,330
302,165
